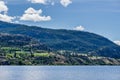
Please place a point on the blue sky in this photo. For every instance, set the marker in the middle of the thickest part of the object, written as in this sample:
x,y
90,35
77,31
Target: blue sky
x,y
97,16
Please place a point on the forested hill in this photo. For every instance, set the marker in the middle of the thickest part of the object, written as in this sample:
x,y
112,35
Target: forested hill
x,y
70,40
20,41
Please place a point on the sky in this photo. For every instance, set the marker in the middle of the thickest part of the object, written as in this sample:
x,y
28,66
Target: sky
x,y
97,16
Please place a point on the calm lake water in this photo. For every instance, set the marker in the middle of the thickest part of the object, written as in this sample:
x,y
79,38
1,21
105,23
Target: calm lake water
x,y
59,73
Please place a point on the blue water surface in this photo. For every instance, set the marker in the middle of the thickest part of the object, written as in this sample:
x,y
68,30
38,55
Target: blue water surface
x,y
59,73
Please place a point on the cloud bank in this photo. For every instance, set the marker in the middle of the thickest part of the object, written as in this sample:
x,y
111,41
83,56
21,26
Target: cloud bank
x,y
79,28
117,42
3,13
65,3
38,1
3,7
34,15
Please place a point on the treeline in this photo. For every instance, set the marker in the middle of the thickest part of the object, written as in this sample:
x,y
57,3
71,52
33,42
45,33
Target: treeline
x,y
50,58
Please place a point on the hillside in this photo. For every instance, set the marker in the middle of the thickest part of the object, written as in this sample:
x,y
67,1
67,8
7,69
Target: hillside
x,y
69,40
20,41
15,49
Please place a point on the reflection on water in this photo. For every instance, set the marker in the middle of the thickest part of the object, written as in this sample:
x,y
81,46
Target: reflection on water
x,y
59,73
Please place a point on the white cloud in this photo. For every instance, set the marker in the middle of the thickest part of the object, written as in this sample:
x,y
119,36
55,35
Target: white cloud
x,y
79,28
33,11
6,18
65,3
3,13
38,1
3,7
117,42
34,15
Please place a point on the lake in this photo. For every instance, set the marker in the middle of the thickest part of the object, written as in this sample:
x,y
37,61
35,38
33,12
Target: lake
x,y
59,73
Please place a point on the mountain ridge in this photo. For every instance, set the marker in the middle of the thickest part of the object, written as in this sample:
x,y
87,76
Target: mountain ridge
x,y
70,40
